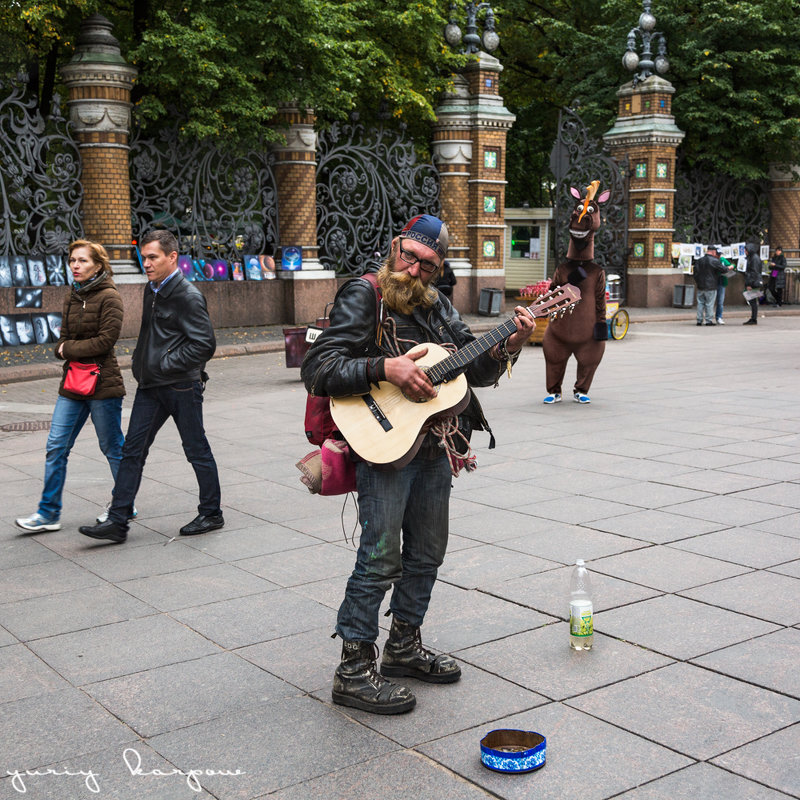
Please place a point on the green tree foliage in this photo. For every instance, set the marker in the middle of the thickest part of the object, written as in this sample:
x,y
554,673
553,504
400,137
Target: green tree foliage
x,y
227,68
735,67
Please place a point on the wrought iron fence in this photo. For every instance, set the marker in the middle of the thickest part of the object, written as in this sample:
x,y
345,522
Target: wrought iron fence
x,y
368,185
717,208
219,204
40,169
576,160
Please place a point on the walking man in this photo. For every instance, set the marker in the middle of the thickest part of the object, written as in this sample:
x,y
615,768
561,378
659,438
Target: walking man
x,y
403,511
753,280
175,341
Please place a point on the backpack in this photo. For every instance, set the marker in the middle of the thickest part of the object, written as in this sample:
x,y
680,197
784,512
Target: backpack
x,y
319,424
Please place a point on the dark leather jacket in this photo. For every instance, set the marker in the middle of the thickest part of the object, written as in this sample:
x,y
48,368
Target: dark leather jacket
x,y
176,337
752,274
707,271
346,357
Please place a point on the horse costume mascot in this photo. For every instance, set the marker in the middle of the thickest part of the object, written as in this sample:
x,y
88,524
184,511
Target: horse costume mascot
x,y
583,333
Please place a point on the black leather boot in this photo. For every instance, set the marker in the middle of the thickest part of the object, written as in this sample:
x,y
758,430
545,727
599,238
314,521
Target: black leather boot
x,y
404,656
358,684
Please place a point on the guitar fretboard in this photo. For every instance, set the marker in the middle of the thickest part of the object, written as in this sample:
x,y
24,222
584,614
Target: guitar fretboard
x,y
453,364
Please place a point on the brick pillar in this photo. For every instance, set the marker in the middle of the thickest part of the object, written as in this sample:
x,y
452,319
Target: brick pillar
x,y
784,213
306,291
490,122
645,131
99,82
452,155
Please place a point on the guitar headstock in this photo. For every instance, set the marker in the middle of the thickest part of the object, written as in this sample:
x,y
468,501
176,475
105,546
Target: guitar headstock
x,y
556,302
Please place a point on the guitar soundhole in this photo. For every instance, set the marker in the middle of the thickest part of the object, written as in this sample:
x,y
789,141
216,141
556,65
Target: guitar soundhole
x,y
422,399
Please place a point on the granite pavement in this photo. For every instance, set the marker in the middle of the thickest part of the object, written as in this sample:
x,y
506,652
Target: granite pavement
x,y
178,667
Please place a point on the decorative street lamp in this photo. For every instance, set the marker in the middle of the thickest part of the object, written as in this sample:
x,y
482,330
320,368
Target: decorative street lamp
x,y
489,40
645,64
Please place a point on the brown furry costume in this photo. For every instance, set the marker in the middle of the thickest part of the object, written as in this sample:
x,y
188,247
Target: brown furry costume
x,y
582,333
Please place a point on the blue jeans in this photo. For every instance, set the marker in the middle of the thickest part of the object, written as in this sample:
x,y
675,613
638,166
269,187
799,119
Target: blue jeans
x,y
69,417
720,301
151,409
706,300
404,516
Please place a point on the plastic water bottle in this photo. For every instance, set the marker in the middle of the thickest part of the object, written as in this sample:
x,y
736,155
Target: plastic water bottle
x,y
581,611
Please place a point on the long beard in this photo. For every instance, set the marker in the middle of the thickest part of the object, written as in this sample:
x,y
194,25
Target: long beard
x,y
403,292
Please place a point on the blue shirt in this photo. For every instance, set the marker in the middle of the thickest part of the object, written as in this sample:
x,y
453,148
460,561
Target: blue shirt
x,y
157,289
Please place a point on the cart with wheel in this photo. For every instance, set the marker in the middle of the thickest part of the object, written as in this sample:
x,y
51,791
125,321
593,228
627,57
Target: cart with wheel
x,y
617,318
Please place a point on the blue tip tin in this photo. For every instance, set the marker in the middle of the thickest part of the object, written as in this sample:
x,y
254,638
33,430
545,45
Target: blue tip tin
x,y
513,751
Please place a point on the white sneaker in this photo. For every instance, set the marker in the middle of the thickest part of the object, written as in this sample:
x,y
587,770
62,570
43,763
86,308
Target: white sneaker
x,y
580,397
720,322
103,516
552,398
36,522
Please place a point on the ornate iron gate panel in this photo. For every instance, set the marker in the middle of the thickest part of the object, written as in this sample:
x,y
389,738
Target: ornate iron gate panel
x,y
576,160
40,169
717,208
218,204
368,185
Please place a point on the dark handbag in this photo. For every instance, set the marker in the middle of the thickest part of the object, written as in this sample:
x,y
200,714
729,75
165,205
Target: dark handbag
x,y
81,378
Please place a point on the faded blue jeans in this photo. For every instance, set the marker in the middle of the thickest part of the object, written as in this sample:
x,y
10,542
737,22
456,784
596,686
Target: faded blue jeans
x,y
720,301
706,303
69,417
404,517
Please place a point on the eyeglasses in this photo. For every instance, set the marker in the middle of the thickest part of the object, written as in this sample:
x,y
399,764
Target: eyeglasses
x,y
411,259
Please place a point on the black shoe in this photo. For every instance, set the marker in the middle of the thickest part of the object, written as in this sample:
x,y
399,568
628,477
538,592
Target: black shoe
x,y
203,524
751,322
699,323
711,323
405,657
105,530
356,683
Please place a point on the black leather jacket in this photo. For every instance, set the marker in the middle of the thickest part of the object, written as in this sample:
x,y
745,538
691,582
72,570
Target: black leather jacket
x,y
346,357
752,275
707,271
176,337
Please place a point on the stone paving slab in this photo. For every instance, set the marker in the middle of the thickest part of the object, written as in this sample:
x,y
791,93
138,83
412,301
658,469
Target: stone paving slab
x,y
769,661
272,744
394,777
702,781
745,546
678,627
759,594
178,695
542,661
771,760
708,714
50,615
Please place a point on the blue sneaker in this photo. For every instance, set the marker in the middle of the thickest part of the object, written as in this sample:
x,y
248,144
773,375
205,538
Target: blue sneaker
x,y
552,398
580,397
37,523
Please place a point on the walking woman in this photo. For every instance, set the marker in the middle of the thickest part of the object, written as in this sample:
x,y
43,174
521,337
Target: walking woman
x,y
90,326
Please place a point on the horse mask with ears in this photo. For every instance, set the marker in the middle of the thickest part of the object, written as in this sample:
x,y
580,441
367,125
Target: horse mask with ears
x,y
585,220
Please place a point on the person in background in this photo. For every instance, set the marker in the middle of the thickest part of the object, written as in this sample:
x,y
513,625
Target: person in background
x,y
91,324
777,276
722,286
707,271
752,279
446,281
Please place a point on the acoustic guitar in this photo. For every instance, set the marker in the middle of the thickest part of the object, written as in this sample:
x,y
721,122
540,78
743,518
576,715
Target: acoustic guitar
x,y
386,427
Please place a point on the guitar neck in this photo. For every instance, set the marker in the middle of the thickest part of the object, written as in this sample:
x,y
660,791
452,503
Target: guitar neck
x,y
456,362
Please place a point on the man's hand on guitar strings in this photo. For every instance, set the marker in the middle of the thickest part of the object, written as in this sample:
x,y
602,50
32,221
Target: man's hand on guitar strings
x,y
408,377
525,325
